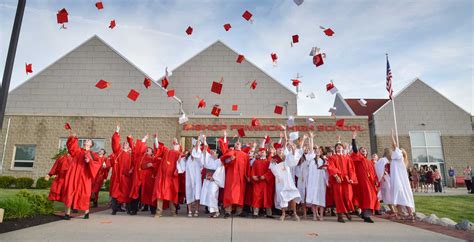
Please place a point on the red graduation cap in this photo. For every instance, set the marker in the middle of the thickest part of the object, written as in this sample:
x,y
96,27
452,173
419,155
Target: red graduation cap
x,y
217,86
67,126
170,93
227,27
102,84
235,107
253,85
278,109
164,82
295,82
318,60
255,122
241,132
202,103
189,30
240,58
247,15
112,24
29,68
328,31
216,110
267,139
274,57
329,86
276,145
99,5
62,16
133,95
147,82
295,38
340,122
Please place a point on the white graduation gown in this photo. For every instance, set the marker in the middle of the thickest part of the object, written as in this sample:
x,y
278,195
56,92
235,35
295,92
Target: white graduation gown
x,y
400,184
317,183
385,192
193,167
210,189
301,172
285,189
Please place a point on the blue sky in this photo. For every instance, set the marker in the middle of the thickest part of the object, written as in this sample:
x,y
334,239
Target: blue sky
x,y
429,39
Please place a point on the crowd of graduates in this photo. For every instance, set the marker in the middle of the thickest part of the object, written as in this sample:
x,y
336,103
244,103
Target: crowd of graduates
x,y
292,177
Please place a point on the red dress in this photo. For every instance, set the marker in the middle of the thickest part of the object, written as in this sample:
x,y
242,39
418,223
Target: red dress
x,y
342,192
366,191
263,191
79,177
60,167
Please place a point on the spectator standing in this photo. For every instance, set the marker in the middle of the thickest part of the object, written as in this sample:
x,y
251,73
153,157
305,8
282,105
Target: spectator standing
x,y
467,178
438,186
452,177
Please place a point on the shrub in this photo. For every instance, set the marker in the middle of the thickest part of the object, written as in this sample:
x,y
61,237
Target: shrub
x,y
7,181
40,203
107,185
41,183
16,207
24,183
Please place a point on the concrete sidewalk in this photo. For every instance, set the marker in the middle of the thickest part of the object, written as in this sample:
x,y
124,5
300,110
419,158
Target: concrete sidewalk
x,y
104,227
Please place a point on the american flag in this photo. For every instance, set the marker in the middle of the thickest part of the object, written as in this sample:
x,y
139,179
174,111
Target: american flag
x,y
389,80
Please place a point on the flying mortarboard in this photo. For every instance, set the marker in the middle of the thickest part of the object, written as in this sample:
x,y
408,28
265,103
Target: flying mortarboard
x,y
227,27
29,68
189,30
340,122
318,60
170,93
147,82
362,102
112,24
278,109
99,5
216,110
67,126
240,58
217,86
253,85
235,107
255,122
133,95
247,15
62,16
331,88
102,84
241,132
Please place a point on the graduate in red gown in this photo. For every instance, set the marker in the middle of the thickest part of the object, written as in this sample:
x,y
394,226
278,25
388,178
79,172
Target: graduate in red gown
x,y
80,175
237,174
367,181
341,177
138,154
149,163
58,172
102,175
122,171
263,180
166,180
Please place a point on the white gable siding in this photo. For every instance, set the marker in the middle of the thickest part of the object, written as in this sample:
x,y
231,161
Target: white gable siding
x,y
67,87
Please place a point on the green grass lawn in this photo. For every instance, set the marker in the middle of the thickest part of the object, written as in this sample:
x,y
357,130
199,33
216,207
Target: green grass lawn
x,y
5,193
454,207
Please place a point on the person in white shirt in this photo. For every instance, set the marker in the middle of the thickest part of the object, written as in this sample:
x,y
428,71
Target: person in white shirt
x,y
317,182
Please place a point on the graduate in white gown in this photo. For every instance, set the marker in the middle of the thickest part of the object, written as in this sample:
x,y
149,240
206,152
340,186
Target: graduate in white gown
x,y
286,192
402,194
215,178
317,182
301,172
385,192
192,165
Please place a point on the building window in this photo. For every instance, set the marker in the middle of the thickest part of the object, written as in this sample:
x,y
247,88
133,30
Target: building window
x,y
24,157
426,147
98,143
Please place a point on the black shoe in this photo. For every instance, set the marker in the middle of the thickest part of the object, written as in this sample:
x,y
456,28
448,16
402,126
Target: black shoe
x,y
254,216
114,212
243,215
67,217
269,216
349,217
226,215
377,212
133,213
86,216
145,209
340,220
368,220
121,210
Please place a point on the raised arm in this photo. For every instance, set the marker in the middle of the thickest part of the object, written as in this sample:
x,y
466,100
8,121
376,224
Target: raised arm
x,y
72,145
354,145
116,141
394,142
223,144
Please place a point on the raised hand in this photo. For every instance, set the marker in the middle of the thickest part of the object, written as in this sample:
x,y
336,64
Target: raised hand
x,y
354,134
117,129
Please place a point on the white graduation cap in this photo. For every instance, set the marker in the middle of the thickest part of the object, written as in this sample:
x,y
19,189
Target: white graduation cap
x,y
194,141
294,136
362,102
333,90
183,119
310,120
314,51
332,111
311,95
291,121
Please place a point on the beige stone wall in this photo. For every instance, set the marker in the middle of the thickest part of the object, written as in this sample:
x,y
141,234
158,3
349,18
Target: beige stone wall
x,y
458,150
46,131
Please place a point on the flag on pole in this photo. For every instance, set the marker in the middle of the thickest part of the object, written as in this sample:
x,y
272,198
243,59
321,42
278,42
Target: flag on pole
x,y
389,80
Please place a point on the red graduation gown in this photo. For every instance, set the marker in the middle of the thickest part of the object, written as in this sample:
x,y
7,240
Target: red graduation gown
x,y
121,176
342,192
236,172
262,190
79,177
60,167
102,175
148,179
138,154
166,180
366,192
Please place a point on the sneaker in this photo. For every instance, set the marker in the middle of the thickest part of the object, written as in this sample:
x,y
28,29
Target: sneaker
x,y
67,217
114,212
368,220
340,220
196,214
86,216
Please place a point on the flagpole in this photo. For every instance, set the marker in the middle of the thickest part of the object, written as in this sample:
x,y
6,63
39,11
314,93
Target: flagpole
x,y
394,112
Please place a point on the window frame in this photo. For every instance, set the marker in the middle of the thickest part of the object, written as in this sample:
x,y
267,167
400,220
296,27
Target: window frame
x,y
12,166
426,147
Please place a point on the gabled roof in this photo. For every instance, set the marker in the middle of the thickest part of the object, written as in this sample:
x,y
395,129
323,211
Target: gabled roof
x,y
342,108
373,105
